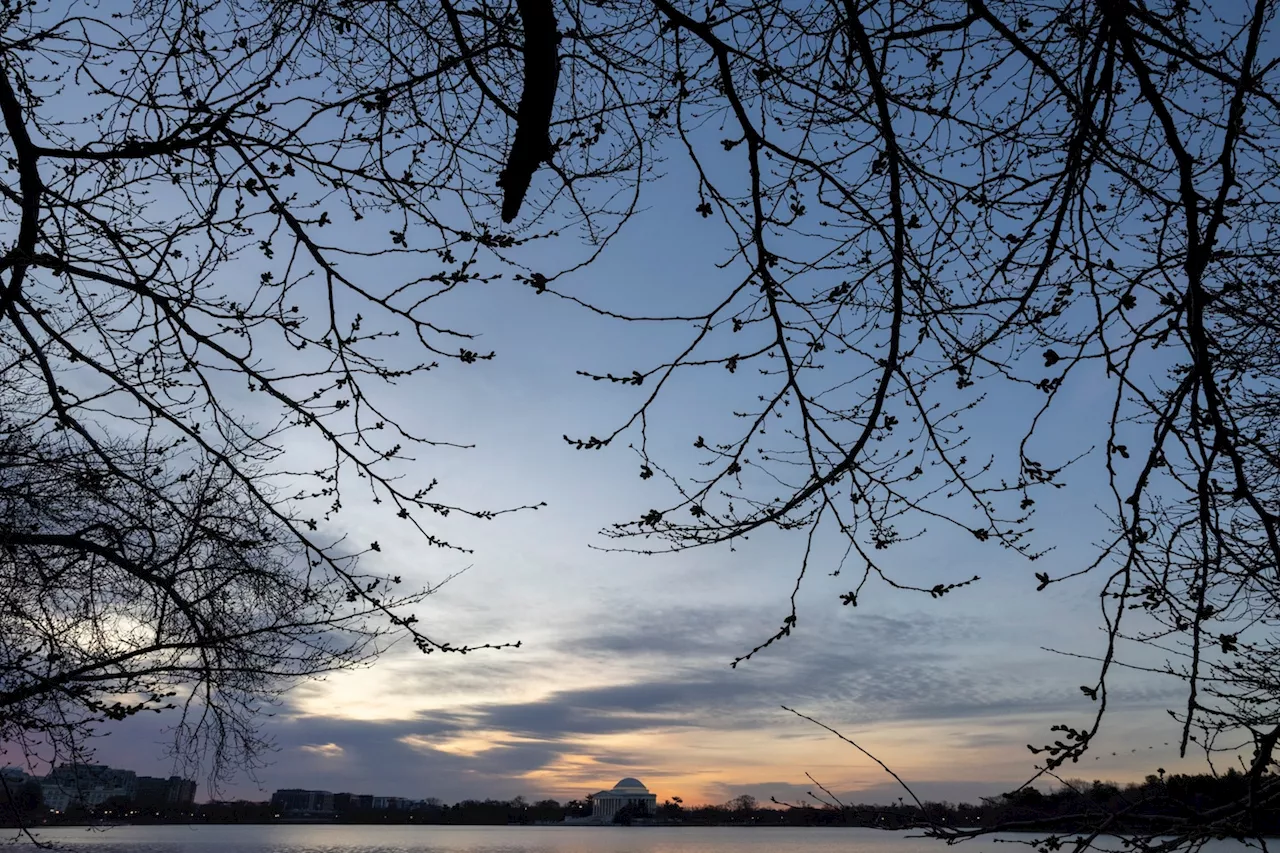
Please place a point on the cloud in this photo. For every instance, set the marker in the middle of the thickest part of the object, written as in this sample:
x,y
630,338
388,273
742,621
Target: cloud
x,y
872,669
658,700
672,677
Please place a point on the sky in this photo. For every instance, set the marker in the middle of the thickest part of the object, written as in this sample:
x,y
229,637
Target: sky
x,y
624,665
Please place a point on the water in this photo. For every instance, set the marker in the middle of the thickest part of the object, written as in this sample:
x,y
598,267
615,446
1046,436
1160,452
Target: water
x,y
504,839
487,839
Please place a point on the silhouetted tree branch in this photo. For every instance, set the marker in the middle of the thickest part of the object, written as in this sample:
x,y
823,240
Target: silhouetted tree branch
x,y
931,207
200,336
936,205
532,143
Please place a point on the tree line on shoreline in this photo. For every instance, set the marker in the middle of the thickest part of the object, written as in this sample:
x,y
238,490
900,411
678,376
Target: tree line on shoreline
x,y
1074,806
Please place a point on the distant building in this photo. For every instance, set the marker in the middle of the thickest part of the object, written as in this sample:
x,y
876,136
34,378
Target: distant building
x,y
628,792
367,802
182,792
155,792
88,785
298,801
14,775
392,803
346,802
19,791
12,780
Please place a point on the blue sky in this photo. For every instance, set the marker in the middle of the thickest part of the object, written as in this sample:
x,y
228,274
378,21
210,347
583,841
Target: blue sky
x,y
624,664
624,668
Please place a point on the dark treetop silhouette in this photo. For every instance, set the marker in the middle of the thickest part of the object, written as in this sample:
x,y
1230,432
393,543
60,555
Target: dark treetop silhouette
x,y
927,202
934,200
171,172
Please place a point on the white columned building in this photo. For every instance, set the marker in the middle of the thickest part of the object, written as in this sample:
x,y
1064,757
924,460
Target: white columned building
x,y
628,792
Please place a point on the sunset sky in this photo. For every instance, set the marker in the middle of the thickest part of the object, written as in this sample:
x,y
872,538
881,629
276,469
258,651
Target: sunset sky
x,y
624,668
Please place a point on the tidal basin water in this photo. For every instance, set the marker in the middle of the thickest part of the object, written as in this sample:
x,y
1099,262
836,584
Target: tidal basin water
x,y
500,839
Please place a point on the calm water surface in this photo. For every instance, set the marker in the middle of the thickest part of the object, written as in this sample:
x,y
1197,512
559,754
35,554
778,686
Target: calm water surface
x,y
499,839
486,839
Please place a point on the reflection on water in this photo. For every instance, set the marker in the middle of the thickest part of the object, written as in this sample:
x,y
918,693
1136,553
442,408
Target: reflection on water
x,y
485,839
506,839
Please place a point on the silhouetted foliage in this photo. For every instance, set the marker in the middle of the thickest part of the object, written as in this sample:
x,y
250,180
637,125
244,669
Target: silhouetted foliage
x,y
945,218
238,811
672,810
20,800
1075,807
199,339
930,204
630,813
158,583
578,808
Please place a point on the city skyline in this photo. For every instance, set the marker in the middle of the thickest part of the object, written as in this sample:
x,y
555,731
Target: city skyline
x,y
99,786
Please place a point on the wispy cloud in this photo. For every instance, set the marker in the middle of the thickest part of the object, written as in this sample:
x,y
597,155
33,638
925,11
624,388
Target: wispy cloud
x,y
670,707
658,700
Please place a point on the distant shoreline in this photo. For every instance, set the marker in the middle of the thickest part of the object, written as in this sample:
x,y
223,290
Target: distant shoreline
x,y
426,825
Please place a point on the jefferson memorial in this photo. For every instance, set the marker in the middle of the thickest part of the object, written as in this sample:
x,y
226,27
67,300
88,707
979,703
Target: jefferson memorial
x,y
628,792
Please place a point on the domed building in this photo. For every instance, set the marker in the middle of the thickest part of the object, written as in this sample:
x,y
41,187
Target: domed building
x,y
628,792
